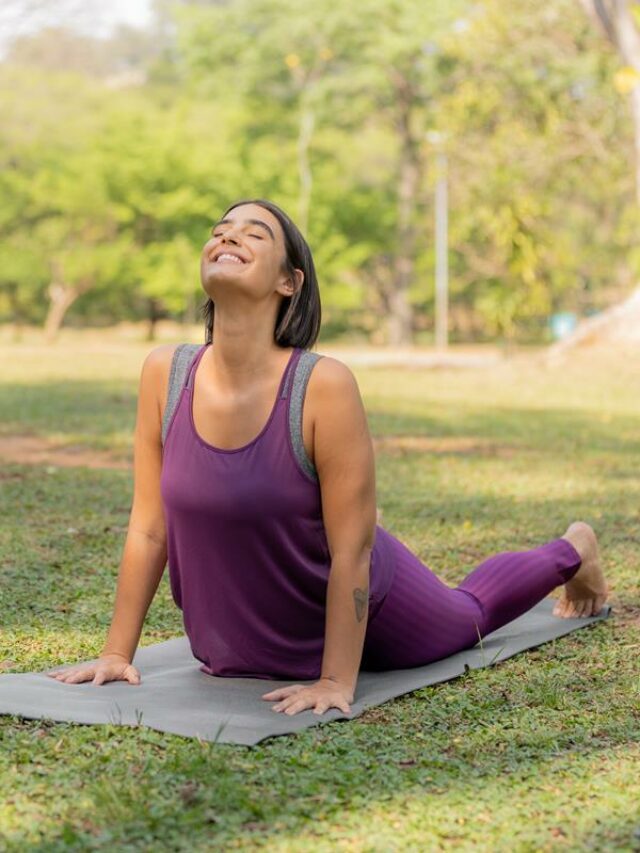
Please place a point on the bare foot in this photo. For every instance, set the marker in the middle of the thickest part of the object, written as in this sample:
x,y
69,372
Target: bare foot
x,y
586,592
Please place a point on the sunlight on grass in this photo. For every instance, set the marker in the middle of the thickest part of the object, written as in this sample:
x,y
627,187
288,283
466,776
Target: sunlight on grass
x,y
537,752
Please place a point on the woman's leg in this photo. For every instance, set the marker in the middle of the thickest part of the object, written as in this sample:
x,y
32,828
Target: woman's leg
x,y
509,584
422,619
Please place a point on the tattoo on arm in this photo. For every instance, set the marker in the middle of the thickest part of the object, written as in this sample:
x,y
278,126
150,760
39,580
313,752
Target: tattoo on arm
x,y
361,600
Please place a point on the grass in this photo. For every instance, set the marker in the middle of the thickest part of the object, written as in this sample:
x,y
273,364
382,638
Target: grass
x,y
540,752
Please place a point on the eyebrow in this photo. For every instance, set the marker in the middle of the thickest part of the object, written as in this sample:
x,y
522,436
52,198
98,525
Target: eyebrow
x,y
252,221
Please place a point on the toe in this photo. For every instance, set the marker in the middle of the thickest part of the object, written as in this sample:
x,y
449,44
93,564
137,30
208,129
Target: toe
x,y
583,608
559,609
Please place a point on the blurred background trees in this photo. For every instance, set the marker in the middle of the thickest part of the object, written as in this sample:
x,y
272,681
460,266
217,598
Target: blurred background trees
x,y
118,152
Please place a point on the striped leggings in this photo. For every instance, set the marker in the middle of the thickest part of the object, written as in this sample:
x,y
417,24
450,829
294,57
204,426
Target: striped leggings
x,y
422,619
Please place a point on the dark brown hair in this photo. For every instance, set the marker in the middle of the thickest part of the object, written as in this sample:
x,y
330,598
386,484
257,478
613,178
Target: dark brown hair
x,y
299,316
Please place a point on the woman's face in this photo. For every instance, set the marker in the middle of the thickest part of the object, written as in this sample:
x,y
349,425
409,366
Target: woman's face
x,y
246,250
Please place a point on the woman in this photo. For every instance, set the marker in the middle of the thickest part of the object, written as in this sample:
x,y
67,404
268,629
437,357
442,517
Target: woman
x,y
266,511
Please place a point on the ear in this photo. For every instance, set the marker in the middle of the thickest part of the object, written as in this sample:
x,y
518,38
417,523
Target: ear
x,y
293,286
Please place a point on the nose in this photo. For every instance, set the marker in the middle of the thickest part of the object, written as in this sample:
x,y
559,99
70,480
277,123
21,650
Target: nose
x,y
228,236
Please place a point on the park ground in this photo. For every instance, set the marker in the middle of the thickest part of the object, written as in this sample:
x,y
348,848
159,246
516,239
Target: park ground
x,y
540,752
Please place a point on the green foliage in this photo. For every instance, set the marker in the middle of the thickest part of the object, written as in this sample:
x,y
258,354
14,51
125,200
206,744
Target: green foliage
x,y
320,107
538,172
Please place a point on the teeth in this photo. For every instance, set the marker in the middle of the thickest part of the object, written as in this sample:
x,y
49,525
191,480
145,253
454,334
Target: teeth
x,y
229,258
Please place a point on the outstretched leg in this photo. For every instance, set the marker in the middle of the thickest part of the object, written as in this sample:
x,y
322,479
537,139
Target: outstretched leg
x,y
422,619
508,584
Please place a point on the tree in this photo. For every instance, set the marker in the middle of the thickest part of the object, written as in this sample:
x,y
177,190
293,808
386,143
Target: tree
x,y
540,202
618,20
304,69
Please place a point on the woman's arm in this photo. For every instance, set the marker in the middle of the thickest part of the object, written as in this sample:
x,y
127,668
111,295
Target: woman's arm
x,y
145,550
345,461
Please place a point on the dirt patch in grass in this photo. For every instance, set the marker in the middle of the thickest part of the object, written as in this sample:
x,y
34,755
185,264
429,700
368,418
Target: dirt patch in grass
x,y
36,450
627,614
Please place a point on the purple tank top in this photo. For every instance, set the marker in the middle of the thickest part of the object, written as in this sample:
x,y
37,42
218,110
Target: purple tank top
x,y
246,546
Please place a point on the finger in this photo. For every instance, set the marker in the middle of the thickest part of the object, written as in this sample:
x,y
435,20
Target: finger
x,y
132,675
79,676
282,706
275,694
340,706
290,700
298,705
57,673
64,674
283,692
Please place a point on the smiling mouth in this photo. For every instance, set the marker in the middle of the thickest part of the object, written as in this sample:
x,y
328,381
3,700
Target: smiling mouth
x,y
225,258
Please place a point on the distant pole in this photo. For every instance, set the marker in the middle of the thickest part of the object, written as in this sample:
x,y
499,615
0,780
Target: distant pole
x,y
442,254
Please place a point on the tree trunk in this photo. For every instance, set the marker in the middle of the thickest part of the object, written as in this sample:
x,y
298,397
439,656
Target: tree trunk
x,y
61,297
635,112
400,319
618,25
18,315
153,316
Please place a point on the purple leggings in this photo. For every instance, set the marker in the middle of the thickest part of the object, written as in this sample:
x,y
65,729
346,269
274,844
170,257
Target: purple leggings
x,y
421,619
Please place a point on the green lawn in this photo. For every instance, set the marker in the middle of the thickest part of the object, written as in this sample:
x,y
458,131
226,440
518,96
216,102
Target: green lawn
x,y
540,752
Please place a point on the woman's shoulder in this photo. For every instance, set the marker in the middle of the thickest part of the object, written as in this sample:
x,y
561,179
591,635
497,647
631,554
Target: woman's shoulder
x,y
330,379
157,369
160,358
158,361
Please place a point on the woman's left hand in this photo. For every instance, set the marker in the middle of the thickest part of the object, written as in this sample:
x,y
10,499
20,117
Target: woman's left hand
x,y
321,696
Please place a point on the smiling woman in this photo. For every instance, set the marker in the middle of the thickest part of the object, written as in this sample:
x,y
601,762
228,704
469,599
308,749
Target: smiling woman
x,y
254,478
299,314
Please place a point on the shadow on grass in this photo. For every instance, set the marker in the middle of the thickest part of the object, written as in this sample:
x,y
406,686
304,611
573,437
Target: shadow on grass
x,y
100,408
90,408
525,428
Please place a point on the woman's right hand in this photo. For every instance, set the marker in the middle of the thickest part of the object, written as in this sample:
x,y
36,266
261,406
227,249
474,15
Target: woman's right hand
x,y
105,668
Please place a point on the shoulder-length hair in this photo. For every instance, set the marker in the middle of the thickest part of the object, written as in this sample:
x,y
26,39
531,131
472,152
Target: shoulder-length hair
x,y
299,315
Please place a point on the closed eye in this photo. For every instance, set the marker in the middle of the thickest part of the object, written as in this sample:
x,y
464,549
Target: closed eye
x,y
257,236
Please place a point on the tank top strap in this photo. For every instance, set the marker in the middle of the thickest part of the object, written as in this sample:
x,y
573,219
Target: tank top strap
x,y
192,368
289,372
300,378
182,358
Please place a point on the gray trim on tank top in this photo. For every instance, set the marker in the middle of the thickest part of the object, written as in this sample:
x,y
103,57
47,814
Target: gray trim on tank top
x,y
184,355
301,375
182,358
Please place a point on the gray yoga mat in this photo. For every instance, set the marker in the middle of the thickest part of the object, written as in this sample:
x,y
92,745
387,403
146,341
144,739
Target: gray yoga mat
x,y
174,696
